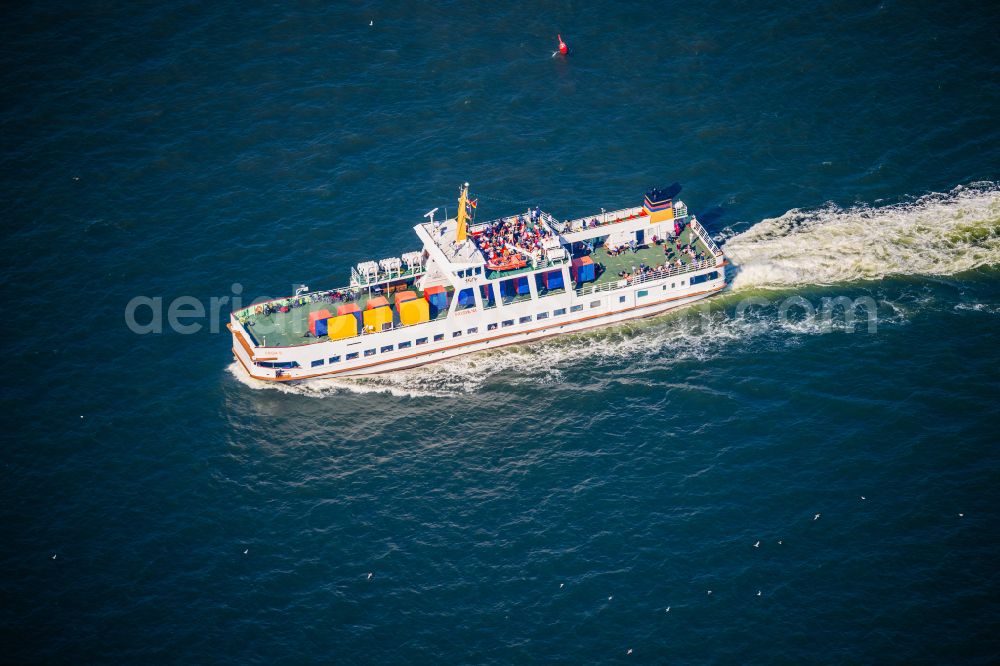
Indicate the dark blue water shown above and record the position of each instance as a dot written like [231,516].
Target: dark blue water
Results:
[545,502]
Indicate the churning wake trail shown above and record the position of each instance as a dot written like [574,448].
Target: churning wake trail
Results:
[691,334]
[938,234]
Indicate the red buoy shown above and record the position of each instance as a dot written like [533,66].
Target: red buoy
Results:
[563,49]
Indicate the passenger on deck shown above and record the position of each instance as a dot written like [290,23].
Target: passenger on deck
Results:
[501,236]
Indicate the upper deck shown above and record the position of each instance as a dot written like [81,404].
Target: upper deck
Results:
[439,239]
[284,322]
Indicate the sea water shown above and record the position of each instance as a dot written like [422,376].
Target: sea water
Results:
[802,469]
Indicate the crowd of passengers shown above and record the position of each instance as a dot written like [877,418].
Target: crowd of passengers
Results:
[672,249]
[500,237]
[644,272]
[687,248]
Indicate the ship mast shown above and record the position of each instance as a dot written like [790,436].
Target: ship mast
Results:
[461,222]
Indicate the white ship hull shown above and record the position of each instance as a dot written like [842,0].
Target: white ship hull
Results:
[659,298]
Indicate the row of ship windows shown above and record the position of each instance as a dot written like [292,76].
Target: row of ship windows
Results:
[492,327]
[455,334]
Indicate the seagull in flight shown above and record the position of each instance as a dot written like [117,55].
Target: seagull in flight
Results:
[629,651]
[758,593]
[611,597]
[710,591]
[370,575]
[863,497]
[668,610]
[53,557]
[757,545]
[816,517]
[246,551]
[561,585]
[780,542]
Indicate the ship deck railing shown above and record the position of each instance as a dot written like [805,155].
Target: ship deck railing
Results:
[705,238]
[532,266]
[648,277]
[359,279]
[604,219]
[304,298]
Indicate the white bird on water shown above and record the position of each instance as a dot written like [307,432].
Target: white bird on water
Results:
[53,557]
[611,597]
[246,551]
[371,23]
[629,651]
[370,575]
[816,517]
[758,593]
[561,585]
[668,610]
[710,591]
[780,542]
[757,545]
[863,497]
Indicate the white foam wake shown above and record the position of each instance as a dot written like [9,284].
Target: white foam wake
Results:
[694,333]
[938,234]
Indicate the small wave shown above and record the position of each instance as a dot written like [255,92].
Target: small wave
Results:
[938,234]
[322,388]
[978,307]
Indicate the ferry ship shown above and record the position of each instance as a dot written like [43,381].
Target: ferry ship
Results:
[479,285]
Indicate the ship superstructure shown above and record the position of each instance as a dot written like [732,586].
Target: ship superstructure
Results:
[478,285]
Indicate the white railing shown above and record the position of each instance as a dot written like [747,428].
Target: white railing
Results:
[705,238]
[549,220]
[299,301]
[482,226]
[648,277]
[603,219]
[549,263]
[305,299]
[359,279]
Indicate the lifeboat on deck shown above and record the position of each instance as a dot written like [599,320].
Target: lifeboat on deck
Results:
[511,263]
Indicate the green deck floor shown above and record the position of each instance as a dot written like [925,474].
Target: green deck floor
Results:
[651,256]
[288,329]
